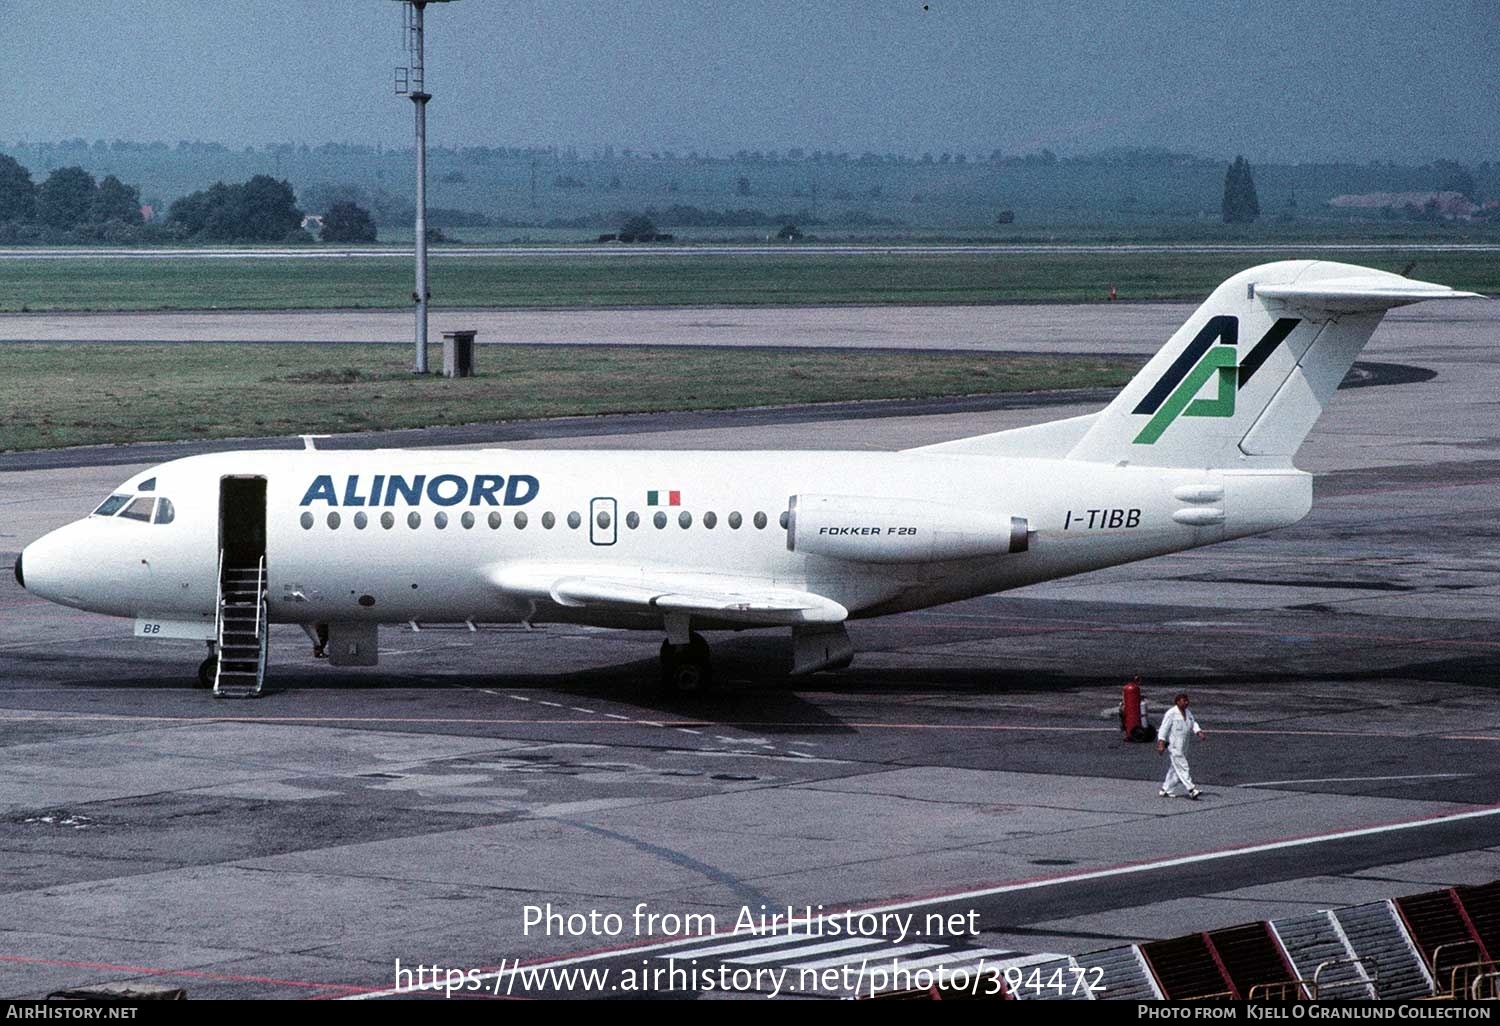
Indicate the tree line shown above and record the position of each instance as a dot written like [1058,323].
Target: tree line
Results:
[68,202]
[70,205]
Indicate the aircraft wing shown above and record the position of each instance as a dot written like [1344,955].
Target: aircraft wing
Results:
[716,596]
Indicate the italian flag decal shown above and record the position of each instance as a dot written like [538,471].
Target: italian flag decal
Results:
[664,498]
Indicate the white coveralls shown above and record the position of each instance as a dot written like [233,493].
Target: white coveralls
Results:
[1176,730]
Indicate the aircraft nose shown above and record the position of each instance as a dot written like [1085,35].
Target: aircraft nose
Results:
[20,574]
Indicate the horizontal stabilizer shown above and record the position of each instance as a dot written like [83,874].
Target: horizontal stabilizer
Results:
[1370,291]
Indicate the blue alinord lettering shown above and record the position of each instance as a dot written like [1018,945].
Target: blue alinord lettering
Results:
[442,490]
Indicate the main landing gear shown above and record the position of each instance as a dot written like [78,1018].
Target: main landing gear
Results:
[686,670]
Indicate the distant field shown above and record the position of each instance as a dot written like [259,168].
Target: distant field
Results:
[67,394]
[631,280]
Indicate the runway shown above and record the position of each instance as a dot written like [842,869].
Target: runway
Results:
[1345,670]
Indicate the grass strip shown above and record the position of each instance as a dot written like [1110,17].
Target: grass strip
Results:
[58,394]
[538,281]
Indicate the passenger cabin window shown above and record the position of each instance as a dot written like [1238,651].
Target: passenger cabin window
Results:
[140,509]
[165,512]
[110,506]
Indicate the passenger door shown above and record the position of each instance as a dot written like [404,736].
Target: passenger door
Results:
[602,517]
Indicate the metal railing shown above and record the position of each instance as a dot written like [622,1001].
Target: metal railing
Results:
[260,592]
[1286,990]
[1462,978]
[1367,967]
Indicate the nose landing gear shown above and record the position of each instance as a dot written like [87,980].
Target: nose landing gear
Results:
[208,670]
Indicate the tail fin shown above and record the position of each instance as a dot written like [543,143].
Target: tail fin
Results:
[1249,373]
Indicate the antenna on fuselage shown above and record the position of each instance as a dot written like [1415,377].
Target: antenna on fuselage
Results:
[309,442]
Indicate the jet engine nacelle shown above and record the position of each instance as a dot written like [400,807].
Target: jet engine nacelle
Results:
[862,529]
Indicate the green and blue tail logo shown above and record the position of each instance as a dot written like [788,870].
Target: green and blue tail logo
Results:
[1213,353]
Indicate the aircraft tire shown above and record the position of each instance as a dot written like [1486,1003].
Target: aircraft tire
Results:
[686,670]
[207,670]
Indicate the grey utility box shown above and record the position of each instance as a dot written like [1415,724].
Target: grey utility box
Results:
[458,354]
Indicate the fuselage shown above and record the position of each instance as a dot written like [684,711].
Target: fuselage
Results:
[391,536]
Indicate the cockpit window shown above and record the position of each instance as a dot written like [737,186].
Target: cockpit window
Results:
[148,485]
[110,506]
[165,514]
[140,509]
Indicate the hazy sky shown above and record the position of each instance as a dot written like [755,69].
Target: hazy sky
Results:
[1312,80]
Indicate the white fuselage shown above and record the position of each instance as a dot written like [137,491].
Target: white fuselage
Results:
[329,556]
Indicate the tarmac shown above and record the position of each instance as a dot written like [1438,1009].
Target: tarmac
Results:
[428,810]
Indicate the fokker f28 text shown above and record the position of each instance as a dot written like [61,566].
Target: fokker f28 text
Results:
[1196,449]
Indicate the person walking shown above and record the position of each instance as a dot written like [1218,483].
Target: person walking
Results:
[1177,727]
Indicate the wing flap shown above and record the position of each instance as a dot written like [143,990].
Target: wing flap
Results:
[716,596]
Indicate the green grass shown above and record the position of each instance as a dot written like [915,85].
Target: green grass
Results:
[631,280]
[68,394]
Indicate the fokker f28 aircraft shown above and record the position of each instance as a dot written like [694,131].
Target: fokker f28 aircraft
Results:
[1197,449]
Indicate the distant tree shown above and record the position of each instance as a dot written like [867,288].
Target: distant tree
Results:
[637,228]
[1240,203]
[261,210]
[269,212]
[17,192]
[789,233]
[66,198]
[116,201]
[348,222]
[1006,217]
[1454,177]
[742,187]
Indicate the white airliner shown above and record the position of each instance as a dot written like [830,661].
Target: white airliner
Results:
[1196,449]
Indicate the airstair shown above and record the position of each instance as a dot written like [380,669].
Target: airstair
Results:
[1375,934]
[1318,951]
[1124,974]
[1189,969]
[1482,906]
[1441,929]
[243,630]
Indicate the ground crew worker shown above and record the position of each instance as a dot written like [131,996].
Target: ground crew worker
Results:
[1177,726]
